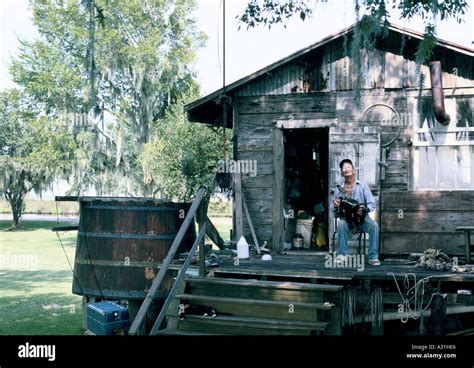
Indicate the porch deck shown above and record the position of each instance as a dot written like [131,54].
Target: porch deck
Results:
[317,267]
[253,289]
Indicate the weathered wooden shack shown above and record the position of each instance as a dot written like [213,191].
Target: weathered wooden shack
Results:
[297,118]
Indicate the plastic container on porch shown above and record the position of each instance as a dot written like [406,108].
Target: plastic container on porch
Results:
[242,248]
[304,227]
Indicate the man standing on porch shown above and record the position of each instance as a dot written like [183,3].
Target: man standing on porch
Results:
[360,192]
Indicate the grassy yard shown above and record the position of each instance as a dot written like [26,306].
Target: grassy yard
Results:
[36,281]
[35,288]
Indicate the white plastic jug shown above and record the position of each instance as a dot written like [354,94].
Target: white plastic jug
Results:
[242,248]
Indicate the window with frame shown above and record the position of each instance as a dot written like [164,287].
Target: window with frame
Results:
[444,155]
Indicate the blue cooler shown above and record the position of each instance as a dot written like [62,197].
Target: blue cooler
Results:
[107,318]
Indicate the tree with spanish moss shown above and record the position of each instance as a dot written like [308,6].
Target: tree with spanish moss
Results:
[109,69]
[35,150]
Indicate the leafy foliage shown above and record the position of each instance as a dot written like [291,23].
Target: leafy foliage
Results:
[34,151]
[269,12]
[427,45]
[183,155]
[446,9]
[109,68]
[374,14]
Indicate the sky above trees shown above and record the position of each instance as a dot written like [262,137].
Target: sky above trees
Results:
[246,50]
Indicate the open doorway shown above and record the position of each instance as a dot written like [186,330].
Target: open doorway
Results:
[306,180]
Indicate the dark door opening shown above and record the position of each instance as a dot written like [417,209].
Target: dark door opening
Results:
[306,181]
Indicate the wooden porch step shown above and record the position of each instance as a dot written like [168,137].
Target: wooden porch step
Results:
[174,332]
[292,276]
[265,284]
[244,307]
[231,325]
[265,290]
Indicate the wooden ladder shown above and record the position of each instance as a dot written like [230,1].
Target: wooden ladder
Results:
[195,207]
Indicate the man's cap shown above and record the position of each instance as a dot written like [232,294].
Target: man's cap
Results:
[344,161]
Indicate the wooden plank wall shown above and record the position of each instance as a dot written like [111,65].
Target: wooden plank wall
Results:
[365,114]
[285,80]
[429,221]
[253,127]
[288,93]
[391,65]
[254,124]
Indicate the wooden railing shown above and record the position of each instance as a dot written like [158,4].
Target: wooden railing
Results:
[177,282]
[206,227]
[167,261]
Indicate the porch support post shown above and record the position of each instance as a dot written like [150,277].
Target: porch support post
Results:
[438,314]
[239,224]
[278,189]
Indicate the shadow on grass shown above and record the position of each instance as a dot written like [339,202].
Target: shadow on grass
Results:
[41,314]
[26,280]
[32,225]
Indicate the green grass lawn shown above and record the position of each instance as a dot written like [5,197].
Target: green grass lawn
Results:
[36,280]
[223,226]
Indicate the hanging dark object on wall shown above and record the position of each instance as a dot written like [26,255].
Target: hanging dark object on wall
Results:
[437,93]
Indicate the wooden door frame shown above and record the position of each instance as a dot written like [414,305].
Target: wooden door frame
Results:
[336,132]
[279,188]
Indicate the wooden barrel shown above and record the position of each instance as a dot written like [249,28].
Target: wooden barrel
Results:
[121,242]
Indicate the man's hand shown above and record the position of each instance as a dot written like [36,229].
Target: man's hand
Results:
[337,203]
[361,211]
